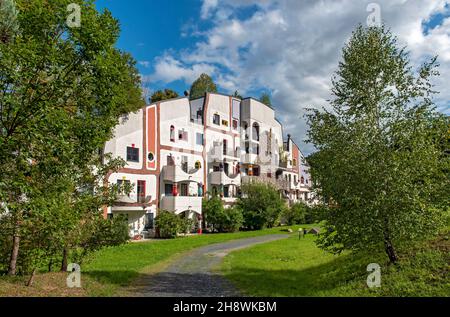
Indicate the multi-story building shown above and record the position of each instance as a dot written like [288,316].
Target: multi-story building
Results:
[180,150]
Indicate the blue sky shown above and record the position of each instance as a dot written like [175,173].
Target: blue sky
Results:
[287,48]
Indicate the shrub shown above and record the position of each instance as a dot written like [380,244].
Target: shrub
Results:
[261,206]
[220,218]
[168,224]
[295,214]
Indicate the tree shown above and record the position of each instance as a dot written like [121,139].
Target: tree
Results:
[163,95]
[9,25]
[201,86]
[237,95]
[220,218]
[265,99]
[380,163]
[62,92]
[261,205]
[296,214]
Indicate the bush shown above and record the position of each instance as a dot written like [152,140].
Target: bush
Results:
[220,218]
[296,214]
[168,224]
[261,206]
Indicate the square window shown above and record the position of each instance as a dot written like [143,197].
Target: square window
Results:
[225,123]
[132,154]
[216,119]
[235,124]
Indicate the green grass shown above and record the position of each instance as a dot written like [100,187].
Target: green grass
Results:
[117,267]
[296,267]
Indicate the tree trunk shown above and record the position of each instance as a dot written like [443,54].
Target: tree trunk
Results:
[50,265]
[14,252]
[64,261]
[31,280]
[389,248]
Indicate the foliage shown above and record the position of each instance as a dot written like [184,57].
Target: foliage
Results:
[295,214]
[265,99]
[165,94]
[299,268]
[62,92]
[202,85]
[169,225]
[9,26]
[237,95]
[380,163]
[220,218]
[261,205]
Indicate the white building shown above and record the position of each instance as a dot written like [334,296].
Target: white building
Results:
[179,150]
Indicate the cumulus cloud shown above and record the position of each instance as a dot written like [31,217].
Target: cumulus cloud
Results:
[293,47]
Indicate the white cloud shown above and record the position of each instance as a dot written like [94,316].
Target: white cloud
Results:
[145,64]
[293,47]
[168,69]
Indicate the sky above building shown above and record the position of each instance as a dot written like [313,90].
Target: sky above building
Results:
[287,48]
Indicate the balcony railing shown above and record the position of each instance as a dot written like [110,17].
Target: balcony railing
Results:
[179,204]
[220,178]
[175,173]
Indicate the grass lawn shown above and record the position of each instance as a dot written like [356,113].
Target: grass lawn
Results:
[112,268]
[296,267]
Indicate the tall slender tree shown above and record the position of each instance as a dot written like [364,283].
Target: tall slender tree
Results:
[380,162]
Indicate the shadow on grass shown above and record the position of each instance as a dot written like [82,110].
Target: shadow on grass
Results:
[322,280]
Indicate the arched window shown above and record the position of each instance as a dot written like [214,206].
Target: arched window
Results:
[255,131]
[172,133]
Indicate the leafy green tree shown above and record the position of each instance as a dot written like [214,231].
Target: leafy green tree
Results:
[380,163]
[9,26]
[163,95]
[201,86]
[220,218]
[265,99]
[295,214]
[261,205]
[62,92]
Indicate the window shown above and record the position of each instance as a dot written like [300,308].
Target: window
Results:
[172,133]
[141,191]
[199,138]
[255,131]
[168,189]
[184,163]
[198,165]
[132,154]
[216,119]
[151,157]
[184,189]
[302,180]
[182,135]
[225,144]
[226,191]
[225,123]
[121,185]
[235,124]
[149,221]
[255,171]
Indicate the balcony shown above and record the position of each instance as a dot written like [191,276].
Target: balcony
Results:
[179,204]
[220,178]
[175,174]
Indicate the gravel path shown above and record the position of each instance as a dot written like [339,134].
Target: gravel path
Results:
[193,275]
